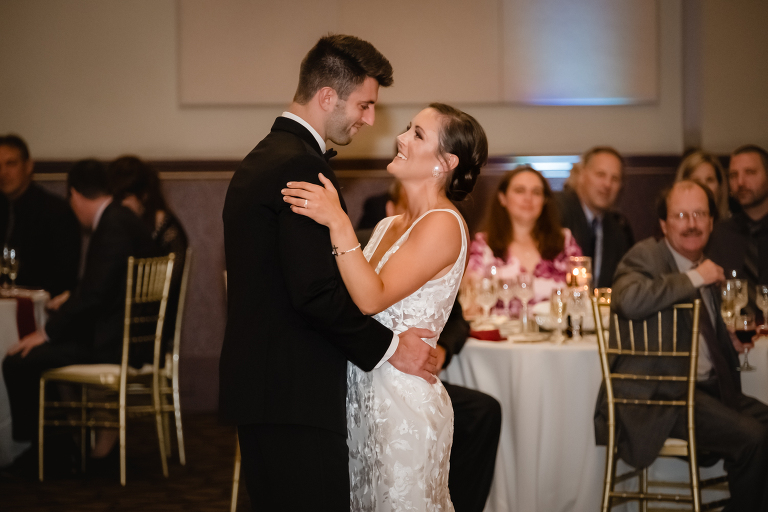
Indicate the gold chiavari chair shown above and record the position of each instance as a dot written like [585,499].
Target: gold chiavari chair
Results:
[148,283]
[169,372]
[679,448]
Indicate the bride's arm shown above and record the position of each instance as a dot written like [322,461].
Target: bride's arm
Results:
[432,248]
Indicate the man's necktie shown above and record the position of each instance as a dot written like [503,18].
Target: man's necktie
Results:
[330,153]
[728,390]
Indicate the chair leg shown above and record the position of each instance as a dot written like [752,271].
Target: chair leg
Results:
[236,476]
[40,426]
[122,444]
[83,447]
[610,472]
[177,417]
[167,433]
[159,424]
[643,489]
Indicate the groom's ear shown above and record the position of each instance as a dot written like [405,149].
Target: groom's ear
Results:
[327,98]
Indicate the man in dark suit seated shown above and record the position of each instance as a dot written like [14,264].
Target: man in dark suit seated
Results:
[88,327]
[587,210]
[37,224]
[740,243]
[653,276]
[477,426]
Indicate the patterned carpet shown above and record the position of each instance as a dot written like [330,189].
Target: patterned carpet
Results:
[204,484]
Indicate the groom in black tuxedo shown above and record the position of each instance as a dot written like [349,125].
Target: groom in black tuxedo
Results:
[291,324]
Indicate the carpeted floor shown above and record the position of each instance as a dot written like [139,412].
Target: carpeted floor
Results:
[204,484]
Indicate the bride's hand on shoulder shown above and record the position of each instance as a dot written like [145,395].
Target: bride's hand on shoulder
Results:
[319,203]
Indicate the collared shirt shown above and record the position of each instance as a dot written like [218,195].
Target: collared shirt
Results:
[686,266]
[100,212]
[290,115]
[318,138]
[597,259]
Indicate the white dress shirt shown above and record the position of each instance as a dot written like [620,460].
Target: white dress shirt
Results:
[395,338]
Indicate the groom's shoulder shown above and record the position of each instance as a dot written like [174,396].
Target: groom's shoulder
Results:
[282,150]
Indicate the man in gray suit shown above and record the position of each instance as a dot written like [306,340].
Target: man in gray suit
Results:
[653,276]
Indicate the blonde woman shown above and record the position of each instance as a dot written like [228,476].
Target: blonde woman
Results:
[706,169]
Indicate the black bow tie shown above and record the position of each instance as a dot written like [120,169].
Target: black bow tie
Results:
[330,153]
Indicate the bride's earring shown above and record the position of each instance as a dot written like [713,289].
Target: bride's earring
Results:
[436,172]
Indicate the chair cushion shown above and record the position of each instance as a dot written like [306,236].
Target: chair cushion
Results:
[101,374]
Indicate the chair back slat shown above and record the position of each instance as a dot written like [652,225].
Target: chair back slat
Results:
[632,335]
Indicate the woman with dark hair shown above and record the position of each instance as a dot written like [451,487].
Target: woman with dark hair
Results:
[137,186]
[523,234]
[401,426]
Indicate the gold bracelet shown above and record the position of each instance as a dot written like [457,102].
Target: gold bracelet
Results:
[336,252]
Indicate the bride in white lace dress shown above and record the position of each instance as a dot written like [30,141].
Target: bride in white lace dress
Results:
[400,427]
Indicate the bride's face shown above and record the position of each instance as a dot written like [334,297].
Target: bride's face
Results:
[417,148]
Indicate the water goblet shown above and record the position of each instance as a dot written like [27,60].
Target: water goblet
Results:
[577,308]
[507,292]
[487,294]
[745,330]
[761,301]
[13,267]
[6,264]
[728,304]
[558,303]
[741,297]
[524,291]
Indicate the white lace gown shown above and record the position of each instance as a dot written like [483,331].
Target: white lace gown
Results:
[399,427]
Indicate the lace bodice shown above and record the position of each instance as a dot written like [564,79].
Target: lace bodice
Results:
[429,306]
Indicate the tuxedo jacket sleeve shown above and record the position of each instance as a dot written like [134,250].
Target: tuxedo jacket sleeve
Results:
[313,280]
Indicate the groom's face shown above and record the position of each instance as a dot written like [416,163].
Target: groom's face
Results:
[350,115]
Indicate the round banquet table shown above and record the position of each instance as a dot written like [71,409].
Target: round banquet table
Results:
[9,336]
[547,459]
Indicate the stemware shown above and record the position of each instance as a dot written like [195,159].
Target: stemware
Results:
[13,267]
[761,301]
[558,301]
[507,292]
[524,292]
[728,303]
[466,297]
[5,268]
[745,329]
[577,308]
[487,293]
[741,297]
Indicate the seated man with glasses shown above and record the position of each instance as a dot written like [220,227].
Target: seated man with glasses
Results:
[653,276]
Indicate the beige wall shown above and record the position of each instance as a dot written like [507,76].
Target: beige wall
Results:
[734,74]
[99,78]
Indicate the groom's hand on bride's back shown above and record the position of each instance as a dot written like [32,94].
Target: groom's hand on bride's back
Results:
[414,356]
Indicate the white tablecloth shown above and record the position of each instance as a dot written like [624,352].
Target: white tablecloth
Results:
[9,336]
[547,459]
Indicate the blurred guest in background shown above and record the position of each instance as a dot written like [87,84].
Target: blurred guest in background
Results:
[587,209]
[87,328]
[375,208]
[523,234]
[37,224]
[136,185]
[705,168]
[740,244]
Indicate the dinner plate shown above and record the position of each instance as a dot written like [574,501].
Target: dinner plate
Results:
[529,337]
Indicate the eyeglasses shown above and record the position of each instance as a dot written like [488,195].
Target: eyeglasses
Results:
[685,216]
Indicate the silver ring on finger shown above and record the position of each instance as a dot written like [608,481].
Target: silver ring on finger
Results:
[306,202]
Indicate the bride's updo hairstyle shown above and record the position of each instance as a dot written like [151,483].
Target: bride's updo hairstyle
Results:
[461,135]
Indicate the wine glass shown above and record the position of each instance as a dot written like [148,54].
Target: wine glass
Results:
[13,267]
[728,304]
[487,294]
[745,329]
[577,308]
[558,302]
[507,292]
[5,268]
[741,297]
[761,301]
[524,291]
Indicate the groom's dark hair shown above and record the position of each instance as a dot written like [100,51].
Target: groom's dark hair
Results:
[342,63]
